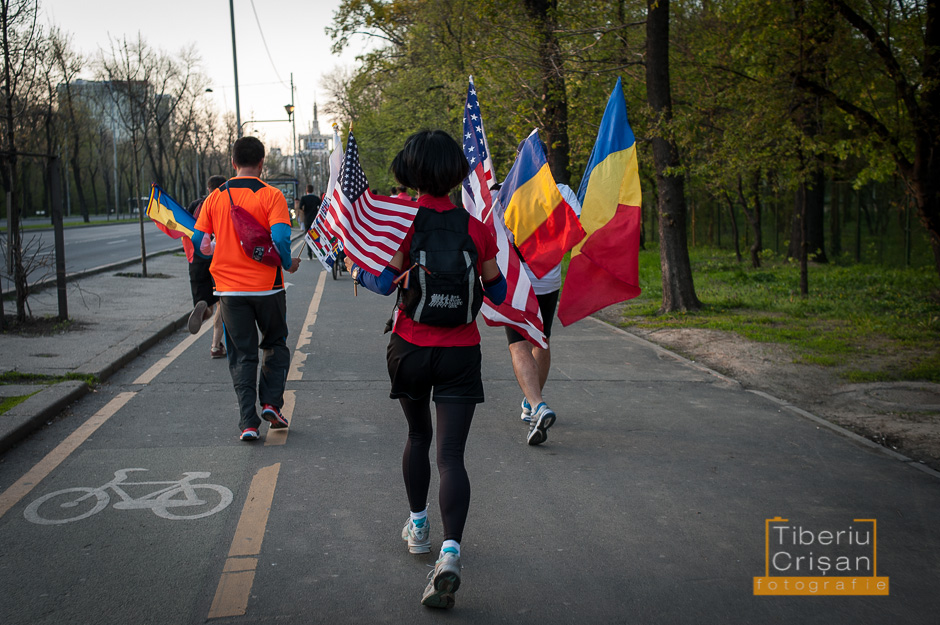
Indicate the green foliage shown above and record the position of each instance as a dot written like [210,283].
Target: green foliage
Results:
[19,377]
[418,78]
[853,312]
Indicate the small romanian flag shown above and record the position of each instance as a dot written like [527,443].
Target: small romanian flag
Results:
[169,216]
[542,223]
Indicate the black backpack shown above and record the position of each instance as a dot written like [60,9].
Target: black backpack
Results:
[444,287]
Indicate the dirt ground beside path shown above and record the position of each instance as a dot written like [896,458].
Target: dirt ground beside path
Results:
[903,416]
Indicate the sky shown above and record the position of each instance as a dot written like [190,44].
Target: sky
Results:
[292,29]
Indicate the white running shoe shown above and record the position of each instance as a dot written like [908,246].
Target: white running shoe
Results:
[418,538]
[445,580]
[542,419]
[526,410]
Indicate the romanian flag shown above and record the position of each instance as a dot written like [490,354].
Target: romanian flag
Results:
[604,268]
[542,223]
[169,216]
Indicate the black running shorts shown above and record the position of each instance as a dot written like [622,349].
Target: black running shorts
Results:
[547,304]
[200,281]
[452,372]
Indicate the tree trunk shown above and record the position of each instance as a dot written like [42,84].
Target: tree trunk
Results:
[554,92]
[79,187]
[813,194]
[835,223]
[753,217]
[678,286]
[926,176]
[803,250]
[140,212]
[734,228]
[9,170]
[814,21]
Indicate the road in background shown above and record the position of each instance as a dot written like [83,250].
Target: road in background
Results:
[92,246]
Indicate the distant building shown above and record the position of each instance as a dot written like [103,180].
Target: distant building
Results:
[109,103]
[314,140]
[314,154]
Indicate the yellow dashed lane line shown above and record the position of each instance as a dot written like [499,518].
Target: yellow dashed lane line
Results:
[238,574]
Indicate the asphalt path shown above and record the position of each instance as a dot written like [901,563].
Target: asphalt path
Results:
[91,247]
[646,504]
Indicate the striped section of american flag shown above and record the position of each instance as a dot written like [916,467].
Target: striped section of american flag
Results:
[371,227]
[520,310]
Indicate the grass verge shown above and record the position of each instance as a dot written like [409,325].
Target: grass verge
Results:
[872,323]
[18,377]
[8,403]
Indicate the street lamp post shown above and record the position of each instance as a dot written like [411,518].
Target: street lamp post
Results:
[293,123]
[290,118]
[287,107]
[238,114]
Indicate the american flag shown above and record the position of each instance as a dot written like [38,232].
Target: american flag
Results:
[371,227]
[520,310]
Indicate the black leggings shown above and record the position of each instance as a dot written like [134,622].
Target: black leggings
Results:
[453,426]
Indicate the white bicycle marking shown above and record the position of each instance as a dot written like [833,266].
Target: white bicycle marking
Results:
[169,502]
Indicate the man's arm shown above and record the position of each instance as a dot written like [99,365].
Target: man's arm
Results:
[280,235]
[202,244]
[280,230]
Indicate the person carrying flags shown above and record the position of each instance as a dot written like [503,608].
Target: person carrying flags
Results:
[530,362]
[434,352]
[541,220]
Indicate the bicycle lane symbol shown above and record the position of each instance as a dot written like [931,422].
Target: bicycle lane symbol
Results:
[174,500]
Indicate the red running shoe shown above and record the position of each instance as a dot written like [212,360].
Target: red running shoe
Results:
[273,415]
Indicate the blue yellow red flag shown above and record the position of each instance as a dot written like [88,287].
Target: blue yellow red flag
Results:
[604,267]
[168,215]
[543,225]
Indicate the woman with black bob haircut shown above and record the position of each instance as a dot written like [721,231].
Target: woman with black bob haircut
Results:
[434,351]
[432,162]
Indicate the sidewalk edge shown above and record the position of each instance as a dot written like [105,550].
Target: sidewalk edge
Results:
[113,359]
[33,413]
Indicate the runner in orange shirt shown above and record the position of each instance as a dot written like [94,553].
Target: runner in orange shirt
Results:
[252,294]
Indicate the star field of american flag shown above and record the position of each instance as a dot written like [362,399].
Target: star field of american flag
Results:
[370,226]
[354,181]
[520,310]
[474,142]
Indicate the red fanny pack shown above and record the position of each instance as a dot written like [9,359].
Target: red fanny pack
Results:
[255,239]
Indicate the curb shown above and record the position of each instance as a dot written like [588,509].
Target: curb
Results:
[782,403]
[33,413]
[114,358]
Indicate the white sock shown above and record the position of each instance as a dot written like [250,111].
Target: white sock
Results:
[419,518]
[453,545]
